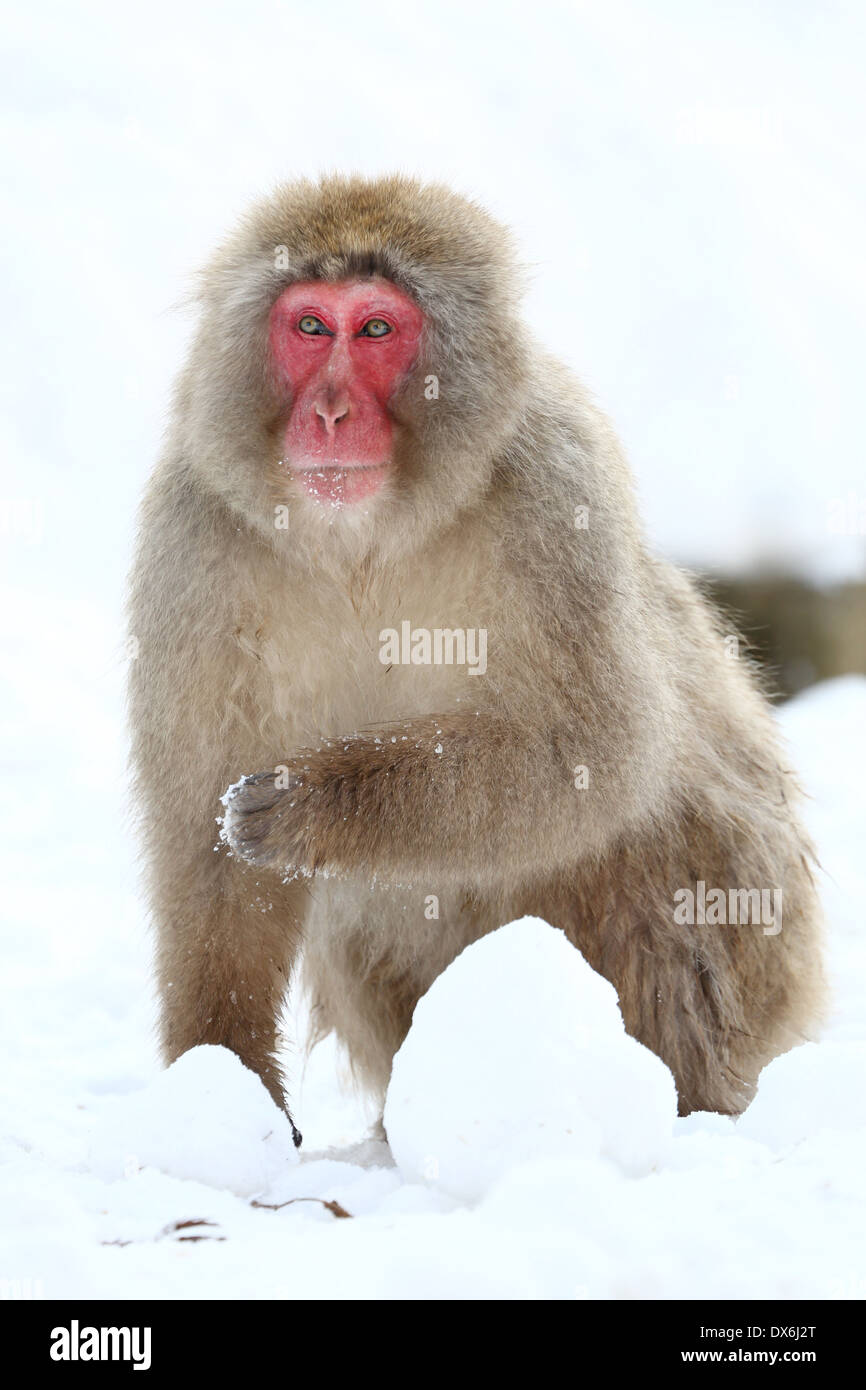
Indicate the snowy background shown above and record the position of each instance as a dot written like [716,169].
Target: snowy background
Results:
[686,183]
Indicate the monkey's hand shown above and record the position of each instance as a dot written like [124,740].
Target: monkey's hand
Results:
[313,812]
[268,818]
[347,804]
[456,794]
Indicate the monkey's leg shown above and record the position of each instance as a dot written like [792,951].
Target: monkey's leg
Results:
[227,939]
[369,956]
[715,1002]
[367,1001]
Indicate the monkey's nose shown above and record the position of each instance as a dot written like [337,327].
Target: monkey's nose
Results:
[332,412]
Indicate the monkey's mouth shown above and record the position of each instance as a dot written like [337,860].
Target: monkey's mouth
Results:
[337,485]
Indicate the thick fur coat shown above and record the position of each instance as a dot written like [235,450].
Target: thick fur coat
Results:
[259,650]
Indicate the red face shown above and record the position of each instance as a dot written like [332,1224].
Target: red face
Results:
[341,351]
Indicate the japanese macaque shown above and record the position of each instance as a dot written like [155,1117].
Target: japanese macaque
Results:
[373,462]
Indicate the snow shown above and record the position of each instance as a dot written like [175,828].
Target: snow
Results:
[686,186]
[205,1118]
[518,1051]
[814,1088]
[105,1158]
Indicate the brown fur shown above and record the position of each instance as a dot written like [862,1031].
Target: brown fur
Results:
[259,648]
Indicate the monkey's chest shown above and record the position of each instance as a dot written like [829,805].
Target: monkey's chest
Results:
[314,681]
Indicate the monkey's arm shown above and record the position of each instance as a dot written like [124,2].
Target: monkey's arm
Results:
[463,795]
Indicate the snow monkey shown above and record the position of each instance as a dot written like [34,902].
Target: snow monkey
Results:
[372,465]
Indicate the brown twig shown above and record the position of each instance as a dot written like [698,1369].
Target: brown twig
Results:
[333,1207]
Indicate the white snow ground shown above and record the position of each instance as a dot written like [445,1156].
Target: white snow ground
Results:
[569,1178]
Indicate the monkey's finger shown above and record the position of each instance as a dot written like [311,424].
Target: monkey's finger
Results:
[259,792]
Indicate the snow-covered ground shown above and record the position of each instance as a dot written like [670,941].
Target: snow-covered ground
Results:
[535,1151]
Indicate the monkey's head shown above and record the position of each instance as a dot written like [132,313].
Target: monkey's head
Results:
[359,363]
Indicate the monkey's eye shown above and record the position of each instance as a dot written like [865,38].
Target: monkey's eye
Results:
[310,324]
[375,328]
